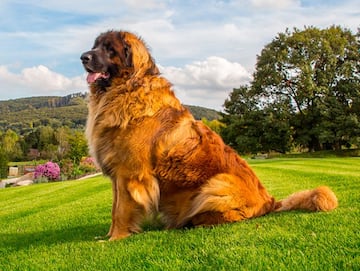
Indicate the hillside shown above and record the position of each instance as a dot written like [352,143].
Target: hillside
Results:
[21,115]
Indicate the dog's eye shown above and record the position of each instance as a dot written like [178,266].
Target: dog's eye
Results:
[111,51]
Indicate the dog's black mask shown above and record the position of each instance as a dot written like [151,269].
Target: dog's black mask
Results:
[109,57]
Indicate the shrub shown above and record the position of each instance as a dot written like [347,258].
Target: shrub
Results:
[49,170]
[67,167]
[87,165]
[77,172]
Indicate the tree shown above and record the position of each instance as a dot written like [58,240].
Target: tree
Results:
[305,92]
[78,147]
[10,145]
[214,124]
[62,137]
[47,143]
[3,164]
[242,131]
[317,73]
[251,127]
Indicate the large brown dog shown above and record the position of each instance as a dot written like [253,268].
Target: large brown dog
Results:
[159,158]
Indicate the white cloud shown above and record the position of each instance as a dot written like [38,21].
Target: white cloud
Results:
[207,83]
[275,3]
[141,4]
[38,80]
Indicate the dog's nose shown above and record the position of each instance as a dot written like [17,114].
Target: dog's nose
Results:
[86,57]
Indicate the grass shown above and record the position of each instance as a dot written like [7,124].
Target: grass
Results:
[319,154]
[52,227]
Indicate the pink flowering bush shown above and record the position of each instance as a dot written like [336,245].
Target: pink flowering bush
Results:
[88,165]
[49,170]
[90,161]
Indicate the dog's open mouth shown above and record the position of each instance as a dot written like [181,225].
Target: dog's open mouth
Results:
[93,76]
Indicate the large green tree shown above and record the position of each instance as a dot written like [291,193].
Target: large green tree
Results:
[317,72]
[311,78]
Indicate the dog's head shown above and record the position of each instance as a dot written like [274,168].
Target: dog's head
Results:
[117,54]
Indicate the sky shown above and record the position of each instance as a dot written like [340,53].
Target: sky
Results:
[204,48]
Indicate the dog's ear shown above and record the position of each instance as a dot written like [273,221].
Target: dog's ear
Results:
[124,50]
[128,55]
[138,55]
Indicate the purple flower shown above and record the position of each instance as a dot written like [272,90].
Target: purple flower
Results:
[49,170]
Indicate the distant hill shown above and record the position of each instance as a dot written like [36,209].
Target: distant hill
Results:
[22,115]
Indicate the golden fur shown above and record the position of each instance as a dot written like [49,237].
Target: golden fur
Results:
[159,158]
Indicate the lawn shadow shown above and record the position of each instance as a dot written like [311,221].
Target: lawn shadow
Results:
[19,241]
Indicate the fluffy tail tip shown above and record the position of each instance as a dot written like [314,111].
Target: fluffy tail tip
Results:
[318,199]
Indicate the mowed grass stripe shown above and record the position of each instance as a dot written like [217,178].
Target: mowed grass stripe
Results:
[279,175]
[16,195]
[347,166]
[46,197]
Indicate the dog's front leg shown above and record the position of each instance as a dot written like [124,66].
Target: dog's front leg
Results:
[114,203]
[127,214]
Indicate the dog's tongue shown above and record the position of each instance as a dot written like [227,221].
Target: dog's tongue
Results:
[93,76]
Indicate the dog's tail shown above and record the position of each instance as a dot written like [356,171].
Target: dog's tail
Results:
[318,199]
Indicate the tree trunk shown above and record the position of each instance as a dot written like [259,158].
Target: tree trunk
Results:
[314,144]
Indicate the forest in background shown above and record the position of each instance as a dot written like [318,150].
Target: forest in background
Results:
[52,128]
[24,114]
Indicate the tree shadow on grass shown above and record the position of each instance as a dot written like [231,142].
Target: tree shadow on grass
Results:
[19,241]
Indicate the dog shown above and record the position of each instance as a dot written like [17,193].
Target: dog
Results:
[158,157]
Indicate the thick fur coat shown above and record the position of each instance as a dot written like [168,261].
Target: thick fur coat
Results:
[159,158]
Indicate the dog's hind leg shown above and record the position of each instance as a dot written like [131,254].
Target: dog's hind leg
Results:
[213,218]
[227,198]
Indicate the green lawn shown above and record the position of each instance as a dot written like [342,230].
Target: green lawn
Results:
[52,227]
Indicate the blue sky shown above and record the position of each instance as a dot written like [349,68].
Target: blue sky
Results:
[205,48]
